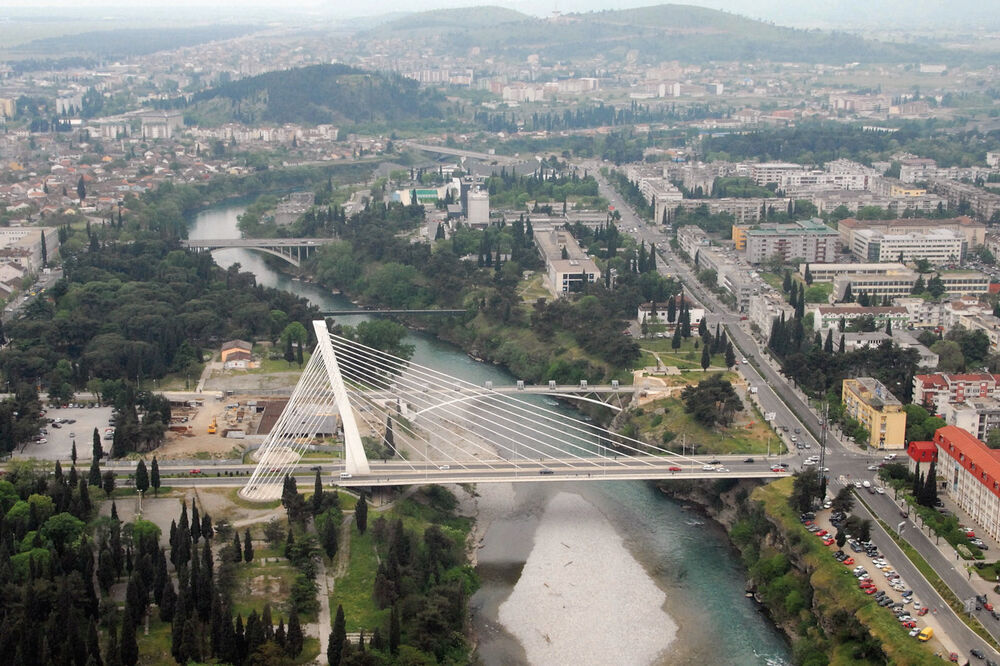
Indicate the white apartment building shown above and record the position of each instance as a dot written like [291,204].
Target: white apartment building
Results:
[692,239]
[830,316]
[938,246]
[828,272]
[766,306]
[977,416]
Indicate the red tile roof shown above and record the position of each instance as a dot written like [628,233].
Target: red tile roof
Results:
[977,458]
[922,451]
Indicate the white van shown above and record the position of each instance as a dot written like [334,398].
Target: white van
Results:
[345,475]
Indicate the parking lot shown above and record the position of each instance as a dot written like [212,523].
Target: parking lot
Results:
[59,440]
[875,572]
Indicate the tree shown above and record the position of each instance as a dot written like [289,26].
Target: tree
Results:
[237,548]
[289,355]
[675,342]
[141,477]
[81,189]
[844,501]
[711,401]
[154,477]
[786,283]
[98,449]
[394,630]
[247,546]
[108,483]
[730,355]
[72,452]
[338,637]
[361,514]
[294,637]
[45,252]
[841,538]
[706,358]
[808,276]
[806,487]
[128,647]
[317,498]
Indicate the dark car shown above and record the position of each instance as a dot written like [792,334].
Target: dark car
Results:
[977,653]
[714,462]
[316,468]
[748,460]
[545,471]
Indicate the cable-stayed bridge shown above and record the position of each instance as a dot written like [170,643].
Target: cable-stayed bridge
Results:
[405,424]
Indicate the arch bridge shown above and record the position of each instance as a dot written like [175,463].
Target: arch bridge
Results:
[292,250]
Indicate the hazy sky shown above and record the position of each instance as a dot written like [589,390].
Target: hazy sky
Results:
[887,14]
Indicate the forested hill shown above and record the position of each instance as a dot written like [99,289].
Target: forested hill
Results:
[661,32]
[321,94]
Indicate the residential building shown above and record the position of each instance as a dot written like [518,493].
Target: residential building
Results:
[830,316]
[922,313]
[773,172]
[744,211]
[970,471]
[692,239]
[938,246]
[978,416]
[902,338]
[808,240]
[568,268]
[935,390]
[983,204]
[765,307]
[869,402]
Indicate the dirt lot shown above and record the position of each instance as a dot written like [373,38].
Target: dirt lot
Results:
[196,442]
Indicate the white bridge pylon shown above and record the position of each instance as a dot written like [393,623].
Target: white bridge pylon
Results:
[410,417]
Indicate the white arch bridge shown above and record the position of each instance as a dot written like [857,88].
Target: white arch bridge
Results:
[405,423]
[292,250]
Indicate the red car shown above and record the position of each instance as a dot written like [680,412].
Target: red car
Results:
[829,541]
[822,533]
[674,468]
[848,562]
[909,624]
[196,471]
[870,590]
[988,606]
[922,611]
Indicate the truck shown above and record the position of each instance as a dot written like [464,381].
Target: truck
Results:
[925,634]
[212,427]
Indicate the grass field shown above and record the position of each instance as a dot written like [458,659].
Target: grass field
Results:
[748,435]
[687,357]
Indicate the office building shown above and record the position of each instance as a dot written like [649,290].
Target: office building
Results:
[568,268]
[974,232]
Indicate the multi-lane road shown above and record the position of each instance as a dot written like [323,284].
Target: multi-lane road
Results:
[792,412]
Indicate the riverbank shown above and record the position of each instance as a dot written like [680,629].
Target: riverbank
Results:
[565,607]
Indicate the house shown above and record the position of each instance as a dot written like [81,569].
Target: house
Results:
[236,354]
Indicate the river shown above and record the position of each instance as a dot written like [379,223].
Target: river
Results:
[695,570]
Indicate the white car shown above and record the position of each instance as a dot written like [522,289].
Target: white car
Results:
[915,632]
[880,490]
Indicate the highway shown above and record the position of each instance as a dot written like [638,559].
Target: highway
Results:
[846,463]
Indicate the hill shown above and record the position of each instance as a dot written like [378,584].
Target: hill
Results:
[132,41]
[319,94]
[661,32]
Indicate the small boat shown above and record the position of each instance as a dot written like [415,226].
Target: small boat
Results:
[694,523]
[549,401]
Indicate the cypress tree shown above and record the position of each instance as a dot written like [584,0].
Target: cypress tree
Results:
[248,546]
[394,630]
[317,498]
[206,527]
[154,477]
[840,347]
[295,639]
[338,636]
[195,523]
[828,343]
[168,601]
[730,355]
[85,503]
[128,647]
[98,450]
[706,358]
[94,478]
[141,478]
[279,633]
[93,644]
[237,549]
[361,514]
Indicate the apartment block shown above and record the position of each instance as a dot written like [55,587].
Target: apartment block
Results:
[983,204]
[831,316]
[765,307]
[936,390]
[978,416]
[869,402]
[744,211]
[809,240]
[692,239]
[828,272]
